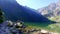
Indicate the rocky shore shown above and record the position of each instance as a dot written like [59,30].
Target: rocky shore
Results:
[18,27]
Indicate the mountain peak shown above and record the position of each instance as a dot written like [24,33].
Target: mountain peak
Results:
[58,3]
[52,10]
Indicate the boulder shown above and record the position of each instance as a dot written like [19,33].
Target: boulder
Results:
[10,23]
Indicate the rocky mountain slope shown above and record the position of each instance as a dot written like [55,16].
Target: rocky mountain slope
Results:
[51,11]
[13,11]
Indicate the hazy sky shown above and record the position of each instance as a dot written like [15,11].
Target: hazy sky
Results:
[35,4]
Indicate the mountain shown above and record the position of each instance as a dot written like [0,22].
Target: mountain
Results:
[51,11]
[13,11]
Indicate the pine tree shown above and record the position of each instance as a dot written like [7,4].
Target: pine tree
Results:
[1,16]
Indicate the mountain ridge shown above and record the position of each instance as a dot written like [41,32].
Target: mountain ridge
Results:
[14,11]
[52,10]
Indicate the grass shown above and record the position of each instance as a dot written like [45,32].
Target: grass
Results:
[53,27]
[49,27]
[55,18]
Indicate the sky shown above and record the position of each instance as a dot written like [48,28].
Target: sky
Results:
[35,4]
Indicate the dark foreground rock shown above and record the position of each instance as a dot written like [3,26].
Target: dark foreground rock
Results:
[9,27]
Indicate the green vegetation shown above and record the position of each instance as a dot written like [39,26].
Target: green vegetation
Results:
[56,18]
[54,28]
[1,16]
[48,27]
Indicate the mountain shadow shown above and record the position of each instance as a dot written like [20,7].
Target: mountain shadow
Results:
[13,11]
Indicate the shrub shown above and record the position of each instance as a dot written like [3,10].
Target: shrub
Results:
[1,16]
